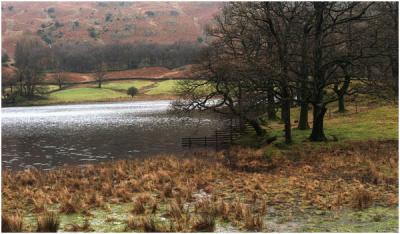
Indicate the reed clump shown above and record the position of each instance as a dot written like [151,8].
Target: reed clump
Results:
[145,224]
[48,222]
[11,223]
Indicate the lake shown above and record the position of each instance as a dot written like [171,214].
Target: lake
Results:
[46,137]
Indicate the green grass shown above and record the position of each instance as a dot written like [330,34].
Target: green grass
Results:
[164,87]
[84,94]
[125,85]
[50,88]
[379,123]
[110,91]
[375,124]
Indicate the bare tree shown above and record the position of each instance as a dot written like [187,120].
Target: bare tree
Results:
[229,83]
[100,74]
[60,77]
[30,59]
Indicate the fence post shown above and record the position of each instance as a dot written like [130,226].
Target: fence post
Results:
[205,141]
[216,141]
[190,142]
[231,135]
[356,108]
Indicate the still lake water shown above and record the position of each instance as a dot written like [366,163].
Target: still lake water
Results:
[50,136]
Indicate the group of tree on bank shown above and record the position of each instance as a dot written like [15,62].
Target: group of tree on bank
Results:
[265,56]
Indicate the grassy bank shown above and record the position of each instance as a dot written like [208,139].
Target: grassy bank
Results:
[110,92]
[346,185]
[372,121]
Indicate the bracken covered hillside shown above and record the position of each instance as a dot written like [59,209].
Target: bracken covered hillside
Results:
[105,22]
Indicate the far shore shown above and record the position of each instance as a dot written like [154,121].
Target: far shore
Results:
[139,98]
[128,99]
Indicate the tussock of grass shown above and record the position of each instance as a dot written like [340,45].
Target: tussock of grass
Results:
[362,199]
[11,223]
[48,222]
[204,223]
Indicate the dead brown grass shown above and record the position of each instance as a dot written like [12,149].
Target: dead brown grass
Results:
[323,178]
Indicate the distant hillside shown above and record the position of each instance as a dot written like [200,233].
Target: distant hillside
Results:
[106,22]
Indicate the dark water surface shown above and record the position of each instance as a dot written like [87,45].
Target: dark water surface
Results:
[50,136]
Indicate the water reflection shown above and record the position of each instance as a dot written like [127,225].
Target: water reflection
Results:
[50,136]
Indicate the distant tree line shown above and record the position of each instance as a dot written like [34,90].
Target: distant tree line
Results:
[86,57]
[269,56]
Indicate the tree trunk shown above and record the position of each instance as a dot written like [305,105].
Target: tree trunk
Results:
[395,74]
[257,127]
[271,111]
[99,85]
[303,121]
[286,120]
[317,133]
[341,105]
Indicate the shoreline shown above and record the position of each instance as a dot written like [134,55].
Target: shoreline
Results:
[113,100]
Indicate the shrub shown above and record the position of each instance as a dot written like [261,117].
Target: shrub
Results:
[174,13]
[58,24]
[150,13]
[49,222]
[108,17]
[132,91]
[11,223]
[4,58]
[93,32]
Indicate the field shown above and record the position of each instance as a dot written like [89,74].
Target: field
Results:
[164,87]
[110,91]
[347,185]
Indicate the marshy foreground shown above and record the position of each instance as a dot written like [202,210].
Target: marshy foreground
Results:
[352,186]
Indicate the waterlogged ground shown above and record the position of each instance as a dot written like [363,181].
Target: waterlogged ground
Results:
[374,219]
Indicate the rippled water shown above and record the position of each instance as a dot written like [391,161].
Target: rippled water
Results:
[50,136]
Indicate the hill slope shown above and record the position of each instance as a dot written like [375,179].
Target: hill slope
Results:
[105,22]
